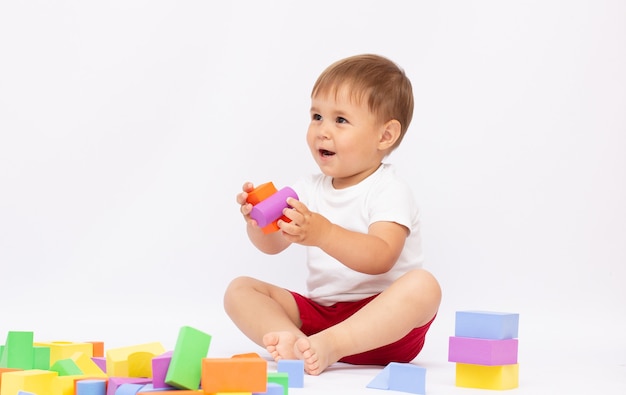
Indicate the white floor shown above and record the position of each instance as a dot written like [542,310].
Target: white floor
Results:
[551,361]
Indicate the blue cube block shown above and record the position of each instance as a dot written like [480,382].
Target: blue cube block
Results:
[486,325]
[404,377]
[295,369]
[272,389]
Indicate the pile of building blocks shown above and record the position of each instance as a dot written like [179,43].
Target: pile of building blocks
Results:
[83,368]
[485,348]
[403,377]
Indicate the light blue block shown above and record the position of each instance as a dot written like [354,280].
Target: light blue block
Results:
[272,389]
[404,377]
[91,387]
[295,369]
[486,325]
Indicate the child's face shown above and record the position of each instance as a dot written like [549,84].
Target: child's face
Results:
[344,138]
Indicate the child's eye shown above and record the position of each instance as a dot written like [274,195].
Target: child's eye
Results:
[316,117]
[341,120]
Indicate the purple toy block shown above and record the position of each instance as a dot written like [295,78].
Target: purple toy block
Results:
[115,382]
[101,362]
[128,389]
[160,364]
[271,208]
[487,352]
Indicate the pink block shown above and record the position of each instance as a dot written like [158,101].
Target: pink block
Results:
[115,382]
[270,209]
[101,362]
[160,365]
[482,351]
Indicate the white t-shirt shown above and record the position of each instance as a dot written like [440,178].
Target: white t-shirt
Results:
[383,196]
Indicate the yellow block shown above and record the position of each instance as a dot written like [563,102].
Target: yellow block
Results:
[502,377]
[88,366]
[65,350]
[133,361]
[65,385]
[36,381]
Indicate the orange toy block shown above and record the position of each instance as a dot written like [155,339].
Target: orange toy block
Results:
[260,193]
[65,350]
[98,349]
[133,361]
[248,355]
[234,375]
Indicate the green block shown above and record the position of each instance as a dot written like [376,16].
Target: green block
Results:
[281,378]
[66,367]
[18,351]
[3,362]
[185,370]
[41,358]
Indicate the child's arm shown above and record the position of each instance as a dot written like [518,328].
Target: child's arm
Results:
[271,243]
[374,252]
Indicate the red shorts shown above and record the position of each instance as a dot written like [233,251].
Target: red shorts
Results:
[316,318]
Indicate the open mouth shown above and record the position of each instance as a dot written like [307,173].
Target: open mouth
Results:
[326,153]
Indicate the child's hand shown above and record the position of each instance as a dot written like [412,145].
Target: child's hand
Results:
[306,227]
[246,207]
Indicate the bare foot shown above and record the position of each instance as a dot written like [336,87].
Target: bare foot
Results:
[280,345]
[315,354]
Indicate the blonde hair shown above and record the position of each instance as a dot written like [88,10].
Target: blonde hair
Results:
[373,78]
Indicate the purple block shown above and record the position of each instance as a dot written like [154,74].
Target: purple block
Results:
[160,364]
[486,352]
[115,382]
[101,362]
[270,209]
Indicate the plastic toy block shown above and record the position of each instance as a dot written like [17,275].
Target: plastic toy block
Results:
[280,378]
[18,351]
[482,351]
[115,382]
[88,366]
[98,349]
[149,390]
[91,387]
[234,375]
[133,361]
[25,393]
[502,377]
[404,377]
[185,370]
[486,325]
[66,367]
[128,389]
[160,365]
[272,389]
[271,209]
[65,385]
[267,193]
[35,380]
[5,370]
[41,358]
[101,363]
[295,369]
[65,350]
[247,355]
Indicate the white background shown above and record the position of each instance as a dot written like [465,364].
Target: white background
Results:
[128,127]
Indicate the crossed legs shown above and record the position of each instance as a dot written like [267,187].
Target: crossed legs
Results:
[269,316]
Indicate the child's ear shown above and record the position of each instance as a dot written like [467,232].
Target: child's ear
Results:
[391,134]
